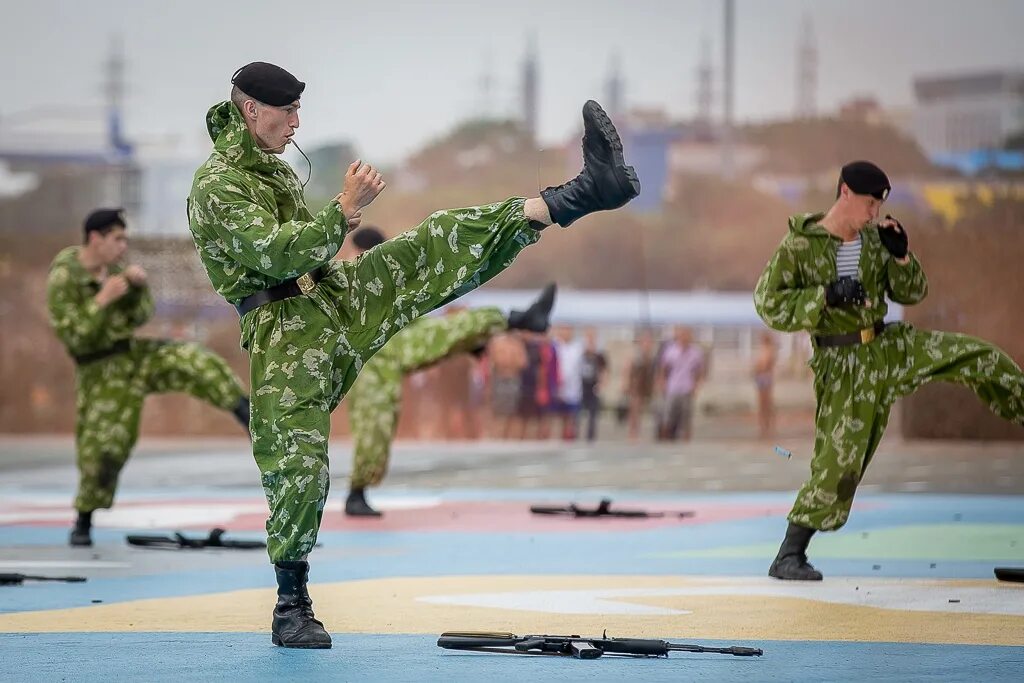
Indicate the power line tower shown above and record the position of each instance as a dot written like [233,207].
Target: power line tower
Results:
[486,88]
[807,72]
[614,91]
[114,91]
[705,87]
[728,52]
[530,86]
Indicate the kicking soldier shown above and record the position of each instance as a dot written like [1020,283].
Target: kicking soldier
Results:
[95,305]
[375,398]
[831,276]
[310,323]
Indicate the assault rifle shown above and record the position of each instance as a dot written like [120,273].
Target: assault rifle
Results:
[18,579]
[603,509]
[577,646]
[214,540]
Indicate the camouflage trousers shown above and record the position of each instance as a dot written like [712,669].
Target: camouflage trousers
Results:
[856,386]
[305,352]
[110,393]
[375,398]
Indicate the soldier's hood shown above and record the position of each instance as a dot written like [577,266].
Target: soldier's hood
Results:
[807,224]
[232,139]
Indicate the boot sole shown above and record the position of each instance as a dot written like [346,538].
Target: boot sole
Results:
[300,646]
[625,176]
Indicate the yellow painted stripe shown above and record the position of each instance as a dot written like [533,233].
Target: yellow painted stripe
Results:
[392,606]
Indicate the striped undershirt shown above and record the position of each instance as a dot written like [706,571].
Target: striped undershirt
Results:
[848,258]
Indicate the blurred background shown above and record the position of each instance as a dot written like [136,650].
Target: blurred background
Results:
[736,114]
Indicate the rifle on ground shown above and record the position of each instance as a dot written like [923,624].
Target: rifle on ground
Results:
[576,646]
[214,540]
[602,510]
[1010,574]
[18,579]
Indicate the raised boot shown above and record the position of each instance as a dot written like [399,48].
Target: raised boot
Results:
[356,505]
[81,533]
[294,624]
[605,182]
[791,563]
[537,317]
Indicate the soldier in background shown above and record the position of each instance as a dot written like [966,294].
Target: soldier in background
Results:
[95,305]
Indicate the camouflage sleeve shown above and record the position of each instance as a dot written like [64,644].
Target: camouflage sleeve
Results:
[780,298]
[76,318]
[251,234]
[907,283]
[138,305]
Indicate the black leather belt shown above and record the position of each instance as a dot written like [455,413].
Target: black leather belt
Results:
[859,337]
[120,346]
[304,284]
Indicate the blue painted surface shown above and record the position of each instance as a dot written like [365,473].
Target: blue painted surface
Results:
[248,656]
[382,554]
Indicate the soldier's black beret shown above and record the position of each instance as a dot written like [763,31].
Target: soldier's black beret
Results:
[863,177]
[268,83]
[103,218]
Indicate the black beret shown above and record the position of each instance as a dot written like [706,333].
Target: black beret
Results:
[863,177]
[268,83]
[103,218]
[367,238]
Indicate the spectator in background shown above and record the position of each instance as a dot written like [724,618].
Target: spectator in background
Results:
[593,366]
[569,354]
[507,354]
[640,379]
[763,371]
[681,371]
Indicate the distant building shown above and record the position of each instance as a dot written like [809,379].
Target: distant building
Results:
[67,163]
[961,113]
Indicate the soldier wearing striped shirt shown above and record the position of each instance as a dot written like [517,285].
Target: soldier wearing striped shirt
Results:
[831,277]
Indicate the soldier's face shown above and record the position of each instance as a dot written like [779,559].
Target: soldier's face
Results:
[111,247]
[274,127]
[864,208]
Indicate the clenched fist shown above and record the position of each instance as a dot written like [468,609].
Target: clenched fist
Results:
[845,292]
[135,274]
[362,185]
[113,288]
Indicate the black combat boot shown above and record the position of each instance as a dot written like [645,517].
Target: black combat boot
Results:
[605,182]
[791,562]
[536,318]
[294,625]
[81,533]
[356,505]
[241,413]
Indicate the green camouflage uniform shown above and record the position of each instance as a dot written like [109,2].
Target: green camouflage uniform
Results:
[110,391]
[252,230]
[856,386]
[375,398]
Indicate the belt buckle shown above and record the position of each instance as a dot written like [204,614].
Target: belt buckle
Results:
[306,283]
[867,335]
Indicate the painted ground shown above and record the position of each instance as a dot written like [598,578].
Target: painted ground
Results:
[909,591]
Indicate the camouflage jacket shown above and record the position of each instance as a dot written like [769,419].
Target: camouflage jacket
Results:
[81,325]
[248,217]
[790,295]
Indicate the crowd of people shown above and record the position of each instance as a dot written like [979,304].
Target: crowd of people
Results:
[564,383]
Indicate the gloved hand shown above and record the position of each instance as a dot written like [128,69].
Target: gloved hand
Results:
[894,238]
[844,292]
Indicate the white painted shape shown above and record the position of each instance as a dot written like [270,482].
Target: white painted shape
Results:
[895,594]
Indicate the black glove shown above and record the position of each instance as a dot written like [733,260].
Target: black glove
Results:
[846,291]
[894,239]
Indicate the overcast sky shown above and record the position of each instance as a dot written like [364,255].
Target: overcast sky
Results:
[391,74]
